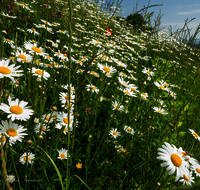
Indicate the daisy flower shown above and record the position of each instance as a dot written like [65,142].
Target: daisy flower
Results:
[115,133]
[161,85]
[65,98]
[13,131]
[65,131]
[122,82]
[17,110]
[159,110]
[187,178]
[117,106]
[23,56]
[62,154]
[194,134]
[144,96]
[129,130]
[10,178]
[146,71]
[173,160]
[40,73]
[106,68]
[47,118]
[64,120]
[133,88]
[92,87]
[27,157]
[172,94]
[9,71]
[129,93]
[33,48]
[41,129]
[196,169]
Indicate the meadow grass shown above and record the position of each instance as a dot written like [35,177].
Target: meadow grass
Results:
[88,103]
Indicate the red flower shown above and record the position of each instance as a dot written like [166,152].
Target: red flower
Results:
[108,32]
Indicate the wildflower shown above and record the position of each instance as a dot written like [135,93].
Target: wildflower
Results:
[162,85]
[187,178]
[13,131]
[117,107]
[147,72]
[144,96]
[196,169]
[9,71]
[40,73]
[106,69]
[129,130]
[41,128]
[27,157]
[17,110]
[92,87]
[33,48]
[173,159]
[63,154]
[129,93]
[196,136]
[159,110]
[115,133]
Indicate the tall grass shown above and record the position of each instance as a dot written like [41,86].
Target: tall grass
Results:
[87,103]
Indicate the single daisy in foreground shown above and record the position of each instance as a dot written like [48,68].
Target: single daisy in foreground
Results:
[196,169]
[27,157]
[17,110]
[116,106]
[13,131]
[92,87]
[62,154]
[115,133]
[173,160]
[9,71]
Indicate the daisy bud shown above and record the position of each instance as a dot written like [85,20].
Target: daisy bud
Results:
[55,108]
[4,32]
[36,120]
[40,137]
[58,41]
[30,141]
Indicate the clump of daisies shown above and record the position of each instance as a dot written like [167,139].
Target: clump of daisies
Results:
[179,161]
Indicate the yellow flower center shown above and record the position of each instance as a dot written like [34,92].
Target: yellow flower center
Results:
[144,94]
[39,72]
[133,89]
[116,107]
[4,70]
[47,118]
[114,133]
[41,129]
[7,40]
[161,87]
[123,74]
[66,121]
[67,97]
[12,58]
[126,92]
[54,116]
[38,50]
[62,155]
[185,177]
[106,69]
[69,104]
[128,129]
[33,29]
[148,72]
[11,132]
[49,65]
[22,56]
[16,109]
[159,111]
[176,160]
[198,170]
[25,159]
[93,88]
[92,72]
[195,135]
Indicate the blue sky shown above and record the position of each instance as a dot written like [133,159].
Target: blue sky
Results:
[175,12]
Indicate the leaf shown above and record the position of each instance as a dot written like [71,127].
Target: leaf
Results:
[180,123]
[182,134]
